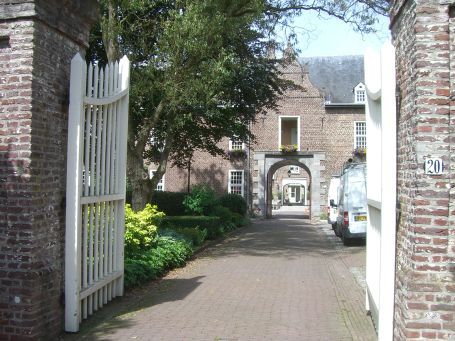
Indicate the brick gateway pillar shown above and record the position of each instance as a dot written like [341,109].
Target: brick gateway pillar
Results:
[265,163]
[38,38]
[424,37]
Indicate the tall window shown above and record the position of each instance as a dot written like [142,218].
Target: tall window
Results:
[235,184]
[236,145]
[359,93]
[360,135]
[160,184]
[289,131]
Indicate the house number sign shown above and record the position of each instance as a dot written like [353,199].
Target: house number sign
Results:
[433,166]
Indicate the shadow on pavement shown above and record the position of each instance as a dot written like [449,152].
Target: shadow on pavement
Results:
[294,238]
[115,315]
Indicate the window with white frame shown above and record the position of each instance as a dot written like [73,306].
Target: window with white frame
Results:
[235,185]
[236,145]
[359,93]
[160,184]
[294,169]
[360,135]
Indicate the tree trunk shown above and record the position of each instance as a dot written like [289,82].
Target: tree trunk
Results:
[109,31]
[141,186]
[189,175]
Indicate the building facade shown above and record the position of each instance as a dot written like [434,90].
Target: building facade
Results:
[325,115]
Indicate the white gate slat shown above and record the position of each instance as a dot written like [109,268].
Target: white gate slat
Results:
[98,119]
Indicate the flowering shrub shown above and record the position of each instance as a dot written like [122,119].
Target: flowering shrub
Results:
[288,148]
[359,152]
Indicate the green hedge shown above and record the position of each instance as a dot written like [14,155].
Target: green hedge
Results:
[171,203]
[194,235]
[234,202]
[211,224]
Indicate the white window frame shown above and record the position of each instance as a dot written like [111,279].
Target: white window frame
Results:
[360,135]
[231,142]
[360,90]
[279,129]
[160,183]
[242,186]
[294,169]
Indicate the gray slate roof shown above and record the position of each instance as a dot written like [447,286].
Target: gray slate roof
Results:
[335,77]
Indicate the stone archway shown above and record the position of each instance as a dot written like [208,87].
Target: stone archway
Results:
[266,163]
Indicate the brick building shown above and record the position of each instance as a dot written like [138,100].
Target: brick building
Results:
[424,37]
[37,41]
[325,117]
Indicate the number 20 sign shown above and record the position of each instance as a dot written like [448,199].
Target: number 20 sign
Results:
[433,166]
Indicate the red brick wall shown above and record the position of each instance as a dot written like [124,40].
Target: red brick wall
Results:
[34,72]
[425,290]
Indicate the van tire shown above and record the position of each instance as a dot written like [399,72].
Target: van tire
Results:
[346,241]
[337,231]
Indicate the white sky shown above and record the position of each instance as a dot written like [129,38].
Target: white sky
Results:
[332,37]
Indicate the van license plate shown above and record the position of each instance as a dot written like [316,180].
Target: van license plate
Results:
[360,218]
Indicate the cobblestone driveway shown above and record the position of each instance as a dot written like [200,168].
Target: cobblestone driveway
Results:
[280,279]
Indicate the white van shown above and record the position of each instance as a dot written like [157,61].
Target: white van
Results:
[352,203]
[332,201]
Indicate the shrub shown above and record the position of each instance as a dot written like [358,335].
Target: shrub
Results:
[200,201]
[211,224]
[140,228]
[171,203]
[195,235]
[234,202]
[168,252]
[223,213]
[225,216]
[239,220]
[138,271]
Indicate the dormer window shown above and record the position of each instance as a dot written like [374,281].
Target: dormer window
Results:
[359,93]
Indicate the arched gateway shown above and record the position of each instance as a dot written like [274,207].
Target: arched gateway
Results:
[265,165]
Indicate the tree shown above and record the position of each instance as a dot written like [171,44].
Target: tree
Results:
[362,15]
[200,72]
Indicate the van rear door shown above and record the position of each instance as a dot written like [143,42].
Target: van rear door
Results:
[357,201]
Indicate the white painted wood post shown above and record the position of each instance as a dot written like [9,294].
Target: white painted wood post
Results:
[389,194]
[124,84]
[74,189]
[381,188]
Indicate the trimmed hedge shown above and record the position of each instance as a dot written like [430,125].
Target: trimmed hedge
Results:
[240,220]
[234,202]
[211,224]
[171,203]
[194,235]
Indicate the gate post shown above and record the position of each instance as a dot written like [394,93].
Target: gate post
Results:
[73,195]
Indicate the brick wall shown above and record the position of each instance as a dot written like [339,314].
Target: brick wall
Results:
[424,36]
[40,38]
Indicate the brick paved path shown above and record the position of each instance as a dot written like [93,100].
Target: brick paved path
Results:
[280,279]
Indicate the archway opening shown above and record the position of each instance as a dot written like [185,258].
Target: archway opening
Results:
[288,189]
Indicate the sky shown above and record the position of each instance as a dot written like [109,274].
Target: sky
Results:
[332,37]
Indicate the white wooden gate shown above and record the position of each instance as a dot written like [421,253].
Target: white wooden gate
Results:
[381,188]
[95,200]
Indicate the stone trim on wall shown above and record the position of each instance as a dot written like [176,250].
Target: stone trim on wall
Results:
[266,163]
